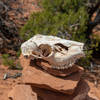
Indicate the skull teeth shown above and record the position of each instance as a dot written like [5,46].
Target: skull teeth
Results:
[68,64]
[62,67]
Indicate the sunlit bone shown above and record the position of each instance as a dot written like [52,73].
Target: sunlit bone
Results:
[60,53]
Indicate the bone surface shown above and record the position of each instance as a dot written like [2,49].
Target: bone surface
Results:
[60,53]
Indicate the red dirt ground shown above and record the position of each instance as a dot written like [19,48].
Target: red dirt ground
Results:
[6,85]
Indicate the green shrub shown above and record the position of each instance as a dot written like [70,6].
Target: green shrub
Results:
[18,53]
[10,62]
[95,42]
[58,16]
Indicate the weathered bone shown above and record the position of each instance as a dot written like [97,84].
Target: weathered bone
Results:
[60,53]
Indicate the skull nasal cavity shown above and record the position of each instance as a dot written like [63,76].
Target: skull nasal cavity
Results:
[45,49]
[61,45]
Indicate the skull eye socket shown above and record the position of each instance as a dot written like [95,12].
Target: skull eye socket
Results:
[34,53]
[26,56]
[45,49]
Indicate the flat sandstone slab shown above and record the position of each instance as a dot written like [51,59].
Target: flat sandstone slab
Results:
[61,72]
[36,77]
[22,92]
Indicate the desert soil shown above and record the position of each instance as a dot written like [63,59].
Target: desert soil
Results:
[8,84]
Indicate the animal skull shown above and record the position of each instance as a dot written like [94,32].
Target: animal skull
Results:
[60,53]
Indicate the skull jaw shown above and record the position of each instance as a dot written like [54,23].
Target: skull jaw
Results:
[59,61]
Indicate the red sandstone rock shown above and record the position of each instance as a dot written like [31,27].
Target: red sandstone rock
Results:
[22,92]
[94,92]
[44,94]
[36,77]
[62,73]
[24,61]
[45,84]
[86,91]
[96,30]
[93,16]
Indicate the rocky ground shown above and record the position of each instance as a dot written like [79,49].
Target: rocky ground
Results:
[37,84]
[7,85]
